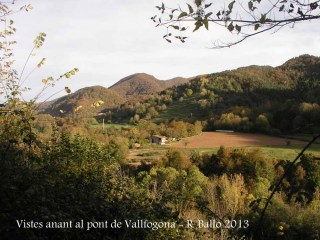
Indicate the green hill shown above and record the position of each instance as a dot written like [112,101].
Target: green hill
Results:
[144,84]
[254,98]
[136,87]
[82,102]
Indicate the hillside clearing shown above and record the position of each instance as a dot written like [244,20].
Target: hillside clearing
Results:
[187,109]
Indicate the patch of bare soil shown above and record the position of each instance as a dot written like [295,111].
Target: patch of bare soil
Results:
[217,139]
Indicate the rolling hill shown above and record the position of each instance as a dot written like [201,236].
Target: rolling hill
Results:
[84,100]
[254,98]
[139,85]
[239,96]
[144,84]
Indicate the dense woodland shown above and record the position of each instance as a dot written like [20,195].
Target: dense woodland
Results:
[71,178]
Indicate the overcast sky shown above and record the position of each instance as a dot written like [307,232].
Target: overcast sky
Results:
[110,39]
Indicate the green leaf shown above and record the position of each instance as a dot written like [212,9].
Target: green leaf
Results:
[190,8]
[206,23]
[230,27]
[218,15]
[230,6]
[314,5]
[183,14]
[300,12]
[67,90]
[256,26]
[263,18]
[238,28]
[198,3]
[208,14]
[198,25]
[281,8]
[207,5]
[175,27]
[250,5]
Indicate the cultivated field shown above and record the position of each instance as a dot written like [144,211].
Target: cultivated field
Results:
[210,142]
[217,139]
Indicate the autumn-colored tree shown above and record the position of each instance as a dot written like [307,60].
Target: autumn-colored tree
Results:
[176,159]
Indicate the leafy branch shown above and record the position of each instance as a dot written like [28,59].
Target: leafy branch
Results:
[16,114]
[244,21]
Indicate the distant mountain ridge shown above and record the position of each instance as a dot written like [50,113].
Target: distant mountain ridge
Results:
[144,84]
[139,85]
[301,73]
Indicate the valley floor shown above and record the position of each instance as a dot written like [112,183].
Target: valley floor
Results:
[210,142]
[234,139]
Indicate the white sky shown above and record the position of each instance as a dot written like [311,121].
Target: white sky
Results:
[110,39]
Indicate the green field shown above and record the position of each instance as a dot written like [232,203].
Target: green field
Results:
[279,152]
[187,109]
[302,136]
[289,152]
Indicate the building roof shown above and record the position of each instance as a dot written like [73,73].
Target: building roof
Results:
[158,136]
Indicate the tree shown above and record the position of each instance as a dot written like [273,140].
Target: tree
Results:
[17,114]
[176,159]
[262,123]
[189,92]
[244,18]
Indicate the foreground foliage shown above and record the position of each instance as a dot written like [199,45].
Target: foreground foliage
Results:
[70,178]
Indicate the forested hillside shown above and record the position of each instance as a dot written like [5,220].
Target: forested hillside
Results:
[144,84]
[87,102]
[255,98]
[275,100]
[84,102]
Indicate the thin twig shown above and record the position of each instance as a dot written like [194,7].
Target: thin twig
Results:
[260,222]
